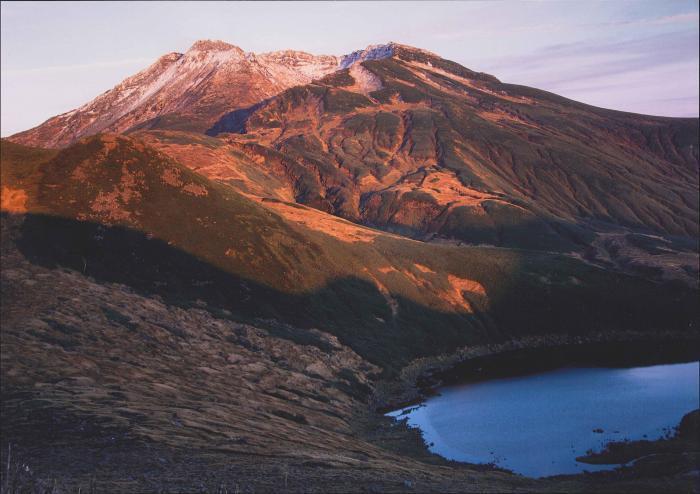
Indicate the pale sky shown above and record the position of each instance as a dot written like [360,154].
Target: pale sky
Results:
[632,55]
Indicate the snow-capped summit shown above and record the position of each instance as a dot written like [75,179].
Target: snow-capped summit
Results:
[212,45]
[372,52]
[211,78]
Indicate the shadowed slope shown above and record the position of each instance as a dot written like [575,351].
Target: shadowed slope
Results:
[113,389]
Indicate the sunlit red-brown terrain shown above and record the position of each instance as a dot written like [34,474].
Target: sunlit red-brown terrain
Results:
[219,273]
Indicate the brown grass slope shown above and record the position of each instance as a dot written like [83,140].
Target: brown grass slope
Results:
[109,389]
[157,330]
[115,208]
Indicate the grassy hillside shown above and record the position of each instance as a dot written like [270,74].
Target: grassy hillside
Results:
[164,331]
[118,210]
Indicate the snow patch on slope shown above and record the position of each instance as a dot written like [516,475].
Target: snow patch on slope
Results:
[365,81]
[372,52]
[290,68]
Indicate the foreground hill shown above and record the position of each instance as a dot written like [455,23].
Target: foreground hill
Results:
[139,295]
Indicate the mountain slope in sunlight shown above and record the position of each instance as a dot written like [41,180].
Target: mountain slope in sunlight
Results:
[116,208]
[433,150]
[398,138]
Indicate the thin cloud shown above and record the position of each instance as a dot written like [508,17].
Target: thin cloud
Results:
[550,27]
[489,31]
[584,59]
[631,74]
[686,17]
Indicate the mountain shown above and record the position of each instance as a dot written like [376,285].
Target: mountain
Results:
[221,271]
[398,138]
[191,90]
[431,149]
[200,85]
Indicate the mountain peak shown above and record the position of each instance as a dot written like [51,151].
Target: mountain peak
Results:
[213,77]
[380,51]
[206,45]
[372,52]
[396,47]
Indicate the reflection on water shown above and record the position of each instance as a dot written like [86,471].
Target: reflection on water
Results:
[536,425]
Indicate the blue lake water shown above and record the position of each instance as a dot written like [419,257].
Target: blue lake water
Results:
[537,424]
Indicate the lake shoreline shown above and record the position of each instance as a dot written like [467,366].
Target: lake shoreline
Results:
[420,380]
[685,439]
[517,357]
